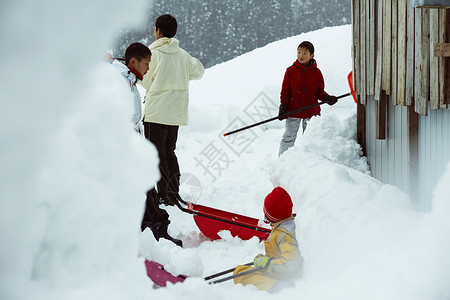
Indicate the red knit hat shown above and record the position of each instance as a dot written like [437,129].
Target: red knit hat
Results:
[277,205]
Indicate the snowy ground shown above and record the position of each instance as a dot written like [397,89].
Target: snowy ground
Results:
[73,175]
[360,239]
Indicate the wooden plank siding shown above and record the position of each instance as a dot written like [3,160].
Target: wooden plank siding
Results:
[401,50]
[371,51]
[445,79]
[393,53]
[394,45]
[420,61]
[363,71]
[410,53]
[425,51]
[434,60]
[356,49]
[379,50]
[387,48]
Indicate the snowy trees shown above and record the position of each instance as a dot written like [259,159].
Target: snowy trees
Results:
[217,30]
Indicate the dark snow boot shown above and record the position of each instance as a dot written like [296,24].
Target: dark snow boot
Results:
[162,232]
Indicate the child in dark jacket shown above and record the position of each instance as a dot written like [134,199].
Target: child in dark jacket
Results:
[282,261]
[302,86]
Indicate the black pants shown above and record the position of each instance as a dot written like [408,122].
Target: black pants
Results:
[164,137]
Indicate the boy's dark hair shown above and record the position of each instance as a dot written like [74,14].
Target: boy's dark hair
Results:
[138,51]
[167,24]
[307,45]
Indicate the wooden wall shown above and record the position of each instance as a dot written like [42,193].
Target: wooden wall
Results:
[394,54]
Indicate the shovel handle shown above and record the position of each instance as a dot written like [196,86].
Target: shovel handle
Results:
[224,272]
[285,115]
[237,275]
[197,213]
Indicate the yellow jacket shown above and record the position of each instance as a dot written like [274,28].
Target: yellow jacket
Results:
[282,246]
[167,82]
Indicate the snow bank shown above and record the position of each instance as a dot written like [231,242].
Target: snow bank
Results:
[360,239]
[73,172]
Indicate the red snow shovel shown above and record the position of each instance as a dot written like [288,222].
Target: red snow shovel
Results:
[160,276]
[350,83]
[211,220]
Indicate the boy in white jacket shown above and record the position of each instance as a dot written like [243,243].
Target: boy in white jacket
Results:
[137,60]
[166,108]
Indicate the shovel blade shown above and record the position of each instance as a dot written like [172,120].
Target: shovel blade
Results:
[212,221]
[350,83]
[159,276]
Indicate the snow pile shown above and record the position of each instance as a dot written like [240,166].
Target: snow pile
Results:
[335,140]
[360,239]
[73,172]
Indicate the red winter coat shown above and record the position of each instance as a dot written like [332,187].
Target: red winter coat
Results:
[303,86]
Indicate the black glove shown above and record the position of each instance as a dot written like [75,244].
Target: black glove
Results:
[283,110]
[331,100]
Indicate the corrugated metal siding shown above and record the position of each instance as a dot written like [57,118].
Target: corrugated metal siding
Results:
[434,152]
[388,159]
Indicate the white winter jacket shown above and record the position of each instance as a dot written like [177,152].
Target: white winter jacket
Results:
[167,82]
[131,78]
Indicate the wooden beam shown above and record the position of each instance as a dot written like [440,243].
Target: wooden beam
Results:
[401,78]
[361,126]
[433,6]
[413,147]
[381,117]
[442,50]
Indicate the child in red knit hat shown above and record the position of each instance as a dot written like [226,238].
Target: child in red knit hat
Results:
[282,261]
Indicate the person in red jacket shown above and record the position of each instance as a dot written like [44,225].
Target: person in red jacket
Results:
[302,86]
